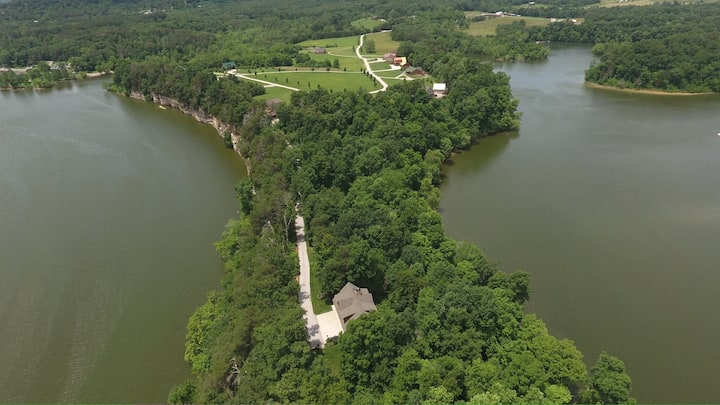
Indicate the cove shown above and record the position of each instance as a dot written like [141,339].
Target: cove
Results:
[611,201]
[109,208]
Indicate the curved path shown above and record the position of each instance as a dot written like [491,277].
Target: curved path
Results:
[267,83]
[368,68]
[313,326]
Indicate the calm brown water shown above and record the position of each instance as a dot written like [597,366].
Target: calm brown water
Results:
[611,201]
[109,208]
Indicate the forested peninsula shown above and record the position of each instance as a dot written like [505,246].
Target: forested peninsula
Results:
[363,169]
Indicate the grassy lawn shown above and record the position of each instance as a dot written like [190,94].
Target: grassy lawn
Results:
[488,26]
[351,63]
[368,23]
[341,42]
[390,74]
[383,43]
[333,355]
[319,305]
[276,92]
[336,80]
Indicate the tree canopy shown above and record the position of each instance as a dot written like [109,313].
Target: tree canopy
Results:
[364,170]
[665,46]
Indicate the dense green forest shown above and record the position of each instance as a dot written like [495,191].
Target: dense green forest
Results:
[665,46]
[450,326]
[364,170]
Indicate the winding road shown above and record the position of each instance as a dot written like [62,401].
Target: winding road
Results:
[368,68]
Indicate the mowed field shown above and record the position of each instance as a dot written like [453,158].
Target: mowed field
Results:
[367,23]
[341,48]
[487,27]
[276,92]
[383,43]
[350,63]
[340,42]
[334,80]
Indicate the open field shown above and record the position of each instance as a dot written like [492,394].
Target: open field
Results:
[383,43]
[367,23]
[488,26]
[335,80]
[340,42]
[390,74]
[338,47]
[351,63]
[276,92]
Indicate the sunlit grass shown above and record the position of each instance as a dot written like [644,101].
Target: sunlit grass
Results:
[320,78]
[367,23]
[276,92]
[487,27]
[340,42]
[383,43]
[349,63]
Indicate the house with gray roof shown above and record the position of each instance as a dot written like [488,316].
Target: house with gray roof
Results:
[352,302]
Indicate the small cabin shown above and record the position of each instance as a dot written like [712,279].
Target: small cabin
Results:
[229,65]
[352,302]
[439,90]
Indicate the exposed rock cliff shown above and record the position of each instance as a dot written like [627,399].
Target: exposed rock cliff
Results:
[200,115]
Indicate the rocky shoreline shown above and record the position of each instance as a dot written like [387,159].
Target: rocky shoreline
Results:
[200,116]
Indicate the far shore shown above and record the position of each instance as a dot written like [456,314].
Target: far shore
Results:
[79,76]
[643,91]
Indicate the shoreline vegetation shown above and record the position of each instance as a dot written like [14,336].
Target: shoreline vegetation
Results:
[664,49]
[644,91]
[24,81]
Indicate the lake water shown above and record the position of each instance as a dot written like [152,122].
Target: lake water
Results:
[611,201]
[109,208]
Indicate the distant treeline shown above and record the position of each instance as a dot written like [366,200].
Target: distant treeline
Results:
[664,46]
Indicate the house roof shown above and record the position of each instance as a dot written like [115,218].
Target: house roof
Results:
[400,60]
[352,302]
[412,70]
[439,87]
[228,65]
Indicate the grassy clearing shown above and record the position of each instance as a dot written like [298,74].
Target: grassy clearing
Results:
[488,26]
[367,23]
[340,42]
[319,304]
[348,52]
[335,80]
[351,63]
[389,74]
[276,92]
[383,43]
[336,47]
[333,355]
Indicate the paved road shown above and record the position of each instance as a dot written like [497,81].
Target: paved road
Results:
[313,327]
[368,68]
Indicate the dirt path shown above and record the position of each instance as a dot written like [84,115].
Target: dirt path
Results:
[313,327]
[368,68]
[267,83]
